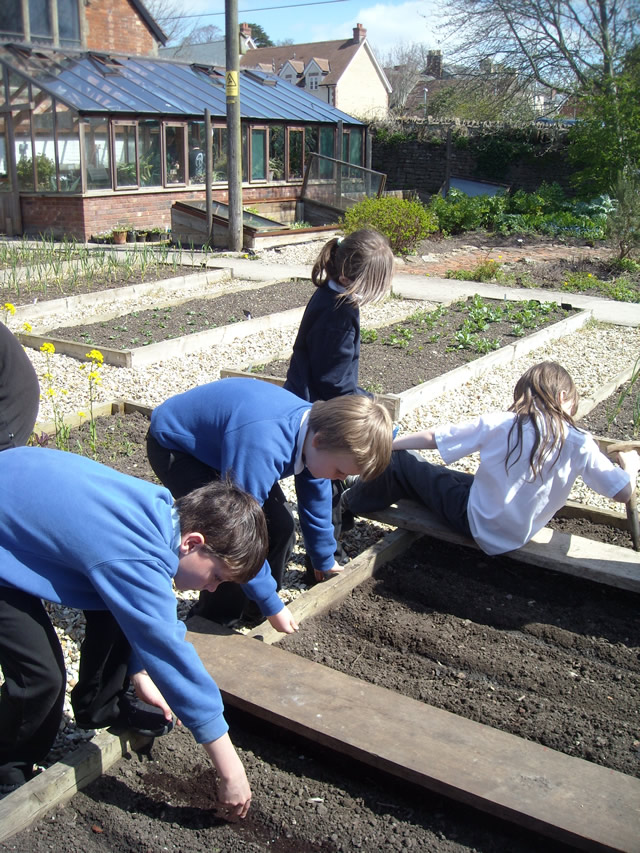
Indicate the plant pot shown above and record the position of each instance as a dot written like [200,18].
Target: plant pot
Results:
[119,237]
[154,237]
[141,237]
[131,236]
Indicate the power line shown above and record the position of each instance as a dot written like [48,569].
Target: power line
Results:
[259,9]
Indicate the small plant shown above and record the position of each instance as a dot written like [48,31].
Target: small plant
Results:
[368,336]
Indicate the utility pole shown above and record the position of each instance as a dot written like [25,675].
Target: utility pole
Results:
[234,144]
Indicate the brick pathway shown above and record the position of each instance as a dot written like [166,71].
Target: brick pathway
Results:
[470,257]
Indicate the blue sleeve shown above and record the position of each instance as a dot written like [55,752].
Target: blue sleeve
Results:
[262,590]
[141,598]
[314,511]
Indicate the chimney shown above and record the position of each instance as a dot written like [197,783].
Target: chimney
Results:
[434,64]
[245,31]
[359,34]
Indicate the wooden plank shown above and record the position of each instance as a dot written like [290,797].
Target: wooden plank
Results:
[573,509]
[325,595]
[62,780]
[548,549]
[566,798]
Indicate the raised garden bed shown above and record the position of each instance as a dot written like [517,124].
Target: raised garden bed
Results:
[166,322]
[403,368]
[150,333]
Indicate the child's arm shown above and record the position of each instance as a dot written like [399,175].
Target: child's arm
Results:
[234,793]
[424,440]
[629,461]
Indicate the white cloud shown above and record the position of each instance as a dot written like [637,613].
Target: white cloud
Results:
[387,25]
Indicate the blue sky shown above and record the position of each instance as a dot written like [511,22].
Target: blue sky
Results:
[387,24]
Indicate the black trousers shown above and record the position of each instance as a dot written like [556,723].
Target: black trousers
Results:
[181,473]
[32,696]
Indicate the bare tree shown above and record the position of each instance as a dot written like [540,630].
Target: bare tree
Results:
[404,66]
[169,15]
[565,45]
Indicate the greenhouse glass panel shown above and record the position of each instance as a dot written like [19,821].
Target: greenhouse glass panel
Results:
[296,142]
[149,153]
[96,152]
[197,152]
[258,154]
[67,131]
[5,181]
[42,118]
[124,137]
[220,172]
[276,152]
[175,153]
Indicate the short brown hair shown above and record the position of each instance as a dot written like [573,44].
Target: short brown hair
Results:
[357,425]
[232,523]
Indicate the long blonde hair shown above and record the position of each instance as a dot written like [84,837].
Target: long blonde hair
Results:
[537,400]
[364,258]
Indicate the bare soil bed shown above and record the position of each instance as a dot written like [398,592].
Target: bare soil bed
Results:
[428,344]
[173,321]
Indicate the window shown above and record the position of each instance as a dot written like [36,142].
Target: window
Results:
[125,149]
[68,148]
[5,181]
[54,22]
[352,145]
[296,153]
[276,152]
[197,153]
[96,153]
[42,118]
[313,82]
[175,148]
[220,171]
[149,153]
[258,153]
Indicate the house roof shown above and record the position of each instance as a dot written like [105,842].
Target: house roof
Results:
[338,53]
[99,83]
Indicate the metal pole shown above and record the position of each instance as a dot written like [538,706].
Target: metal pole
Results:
[208,153]
[234,138]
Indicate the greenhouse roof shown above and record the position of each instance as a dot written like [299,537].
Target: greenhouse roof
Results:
[93,83]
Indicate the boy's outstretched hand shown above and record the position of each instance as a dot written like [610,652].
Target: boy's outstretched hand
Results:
[149,693]
[283,621]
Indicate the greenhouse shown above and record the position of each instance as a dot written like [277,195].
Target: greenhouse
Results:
[89,140]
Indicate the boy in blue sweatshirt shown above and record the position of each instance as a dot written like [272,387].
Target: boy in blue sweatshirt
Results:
[83,535]
[257,434]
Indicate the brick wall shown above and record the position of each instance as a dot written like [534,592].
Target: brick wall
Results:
[79,217]
[115,25]
[420,164]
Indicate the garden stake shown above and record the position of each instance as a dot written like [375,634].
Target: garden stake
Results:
[632,504]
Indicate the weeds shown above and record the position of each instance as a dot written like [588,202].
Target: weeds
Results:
[631,391]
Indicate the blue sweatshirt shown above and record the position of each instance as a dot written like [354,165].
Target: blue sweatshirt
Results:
[83,535]
[248,429]
[326,351]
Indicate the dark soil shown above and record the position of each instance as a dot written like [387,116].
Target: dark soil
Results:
[24,293]
[544,656]
[425,346]
[617,417]
[197,315]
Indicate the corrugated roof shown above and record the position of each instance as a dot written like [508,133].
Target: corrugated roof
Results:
[118,84]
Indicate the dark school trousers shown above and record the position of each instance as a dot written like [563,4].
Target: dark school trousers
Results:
[181,473]
[32,696]
[409,476]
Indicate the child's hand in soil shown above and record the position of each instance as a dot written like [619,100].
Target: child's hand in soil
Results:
[283,621]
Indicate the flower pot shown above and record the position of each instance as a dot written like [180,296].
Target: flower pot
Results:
[119,237]
[131,236]
[141,237]
[154,237]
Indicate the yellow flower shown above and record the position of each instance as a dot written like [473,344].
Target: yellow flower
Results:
[82,414]
[47,347]
[27,327]
[94,376]
[589,275]
[51,392]
[95,355]
[8,306]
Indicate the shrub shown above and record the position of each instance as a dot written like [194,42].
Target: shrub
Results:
[404,223]
[623,221]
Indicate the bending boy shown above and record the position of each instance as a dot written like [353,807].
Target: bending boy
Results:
[80,534]
[257,434]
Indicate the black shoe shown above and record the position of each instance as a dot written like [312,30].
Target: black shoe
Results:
[137,716]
